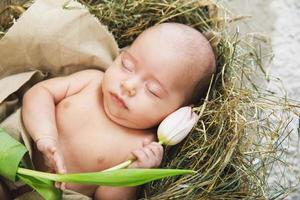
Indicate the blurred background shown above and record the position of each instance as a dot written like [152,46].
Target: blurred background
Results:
[280,19]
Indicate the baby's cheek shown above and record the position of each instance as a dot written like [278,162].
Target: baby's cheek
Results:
[118,78]
[110,79]
[151,117]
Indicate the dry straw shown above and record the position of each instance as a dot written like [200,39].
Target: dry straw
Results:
[239,139]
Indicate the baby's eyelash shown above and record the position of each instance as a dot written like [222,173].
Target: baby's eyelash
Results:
[152,92]
[124,66]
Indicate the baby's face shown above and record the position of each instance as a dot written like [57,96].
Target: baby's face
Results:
[150,81]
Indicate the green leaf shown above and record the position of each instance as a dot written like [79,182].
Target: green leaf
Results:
[43,186]
[11,153]
[120,177]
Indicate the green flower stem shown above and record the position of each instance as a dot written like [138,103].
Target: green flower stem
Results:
[124,164]
[120,166]
[33,173]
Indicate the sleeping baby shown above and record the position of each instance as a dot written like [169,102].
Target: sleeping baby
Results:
[90,121]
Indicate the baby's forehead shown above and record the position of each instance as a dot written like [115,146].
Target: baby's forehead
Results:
[178,78]
[171,74]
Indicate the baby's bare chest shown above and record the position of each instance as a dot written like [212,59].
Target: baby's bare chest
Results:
[89,140]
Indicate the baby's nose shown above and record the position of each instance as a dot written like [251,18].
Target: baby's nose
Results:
[128,87]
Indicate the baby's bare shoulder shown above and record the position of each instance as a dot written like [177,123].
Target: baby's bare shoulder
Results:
[92,73]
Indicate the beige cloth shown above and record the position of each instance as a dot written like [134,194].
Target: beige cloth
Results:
[52,38]
[59,40]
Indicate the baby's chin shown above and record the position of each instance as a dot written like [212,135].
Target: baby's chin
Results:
[126,122]
[118,117]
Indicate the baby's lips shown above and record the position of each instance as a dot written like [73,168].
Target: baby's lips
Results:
[119,100]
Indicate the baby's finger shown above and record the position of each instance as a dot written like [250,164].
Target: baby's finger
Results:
[140,155]
[158,152]
[157,145]
[57,185]
[49,148]
[48,156]
[52,149]
[149,152]
[49,162]
[63,186]
[156,148]
[51,167]
[59,163]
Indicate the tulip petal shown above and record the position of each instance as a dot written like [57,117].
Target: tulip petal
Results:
[183,133]
[177,125]
[169,124]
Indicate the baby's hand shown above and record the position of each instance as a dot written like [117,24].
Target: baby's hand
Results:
[150,156]
[52,156]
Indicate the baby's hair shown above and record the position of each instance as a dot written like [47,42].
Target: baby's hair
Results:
[201,59]
[201,87]
[209,67]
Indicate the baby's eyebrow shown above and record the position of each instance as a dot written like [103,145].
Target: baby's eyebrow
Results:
[129,56]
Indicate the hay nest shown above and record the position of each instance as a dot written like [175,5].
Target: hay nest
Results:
[238,139]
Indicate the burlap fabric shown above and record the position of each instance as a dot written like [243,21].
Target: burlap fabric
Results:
[52,38]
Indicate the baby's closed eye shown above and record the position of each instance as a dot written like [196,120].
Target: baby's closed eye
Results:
[154,90]
[127,64]
[127,67]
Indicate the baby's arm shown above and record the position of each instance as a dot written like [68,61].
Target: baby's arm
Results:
[38,111]
[150,156]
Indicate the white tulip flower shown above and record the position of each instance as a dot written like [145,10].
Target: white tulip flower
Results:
[175,127]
